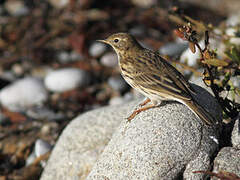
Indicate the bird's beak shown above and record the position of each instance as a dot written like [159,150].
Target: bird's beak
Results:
[103,41]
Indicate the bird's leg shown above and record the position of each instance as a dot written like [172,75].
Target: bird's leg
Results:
[137,111]
[146,100]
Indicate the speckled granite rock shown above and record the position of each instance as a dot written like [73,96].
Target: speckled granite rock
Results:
[236,134]
[160,143]
[82,142]
[228,159]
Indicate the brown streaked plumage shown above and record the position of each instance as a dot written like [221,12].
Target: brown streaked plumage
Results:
[153,76]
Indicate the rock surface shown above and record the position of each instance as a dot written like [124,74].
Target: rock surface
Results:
[228,159]
[236,134]
[146,148]
[159,144]
[82,142]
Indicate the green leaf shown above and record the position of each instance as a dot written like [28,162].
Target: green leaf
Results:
[234,53]
[215,62]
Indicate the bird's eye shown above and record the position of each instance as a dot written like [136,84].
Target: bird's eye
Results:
[116,40]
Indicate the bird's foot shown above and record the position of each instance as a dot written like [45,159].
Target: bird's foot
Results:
[137,111]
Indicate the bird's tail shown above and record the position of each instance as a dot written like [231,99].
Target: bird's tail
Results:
[200,112]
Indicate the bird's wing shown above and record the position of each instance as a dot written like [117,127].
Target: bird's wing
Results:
[160,76]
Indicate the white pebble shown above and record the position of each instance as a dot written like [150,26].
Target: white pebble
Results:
[63,57]
[138,30]
[235,40]
[44,113]
[109,59]
[75,56]
[189,57]
[41,147]
[66,79]
[16,8]
[128,96]
[230,31]
[116,101]
[236,81]
[97,49]
[30,159]
[59,3]
[23,93]
[233,20]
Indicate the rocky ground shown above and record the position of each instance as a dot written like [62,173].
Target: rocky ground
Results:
[52,70]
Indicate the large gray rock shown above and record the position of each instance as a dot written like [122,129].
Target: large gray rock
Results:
[162,143]
[82,142]
[228,160]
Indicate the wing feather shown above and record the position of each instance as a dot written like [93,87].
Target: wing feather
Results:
[160,76]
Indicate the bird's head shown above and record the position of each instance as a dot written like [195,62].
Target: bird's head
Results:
[122,42]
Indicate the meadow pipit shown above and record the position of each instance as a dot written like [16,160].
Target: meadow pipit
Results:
[153,76]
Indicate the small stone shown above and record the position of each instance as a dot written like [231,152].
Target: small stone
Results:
[40,71]
[144,3]
[23,94]
[45,129]
[74,56]
[228,160]
[63,57]
[66,57]
[173,49]
[137,31]
[230,31]
[128,96]
[16,8]
[18,69]
[109,59]
[236,134]
[8,75]
[116,101]
[217,31]
[30,159]
[48,127]
[59,3]
[66,79]
[97,49]
[189,57]
[41,147]
[118,83]
[236,81]
[235,40]
[42,113]
[233,20]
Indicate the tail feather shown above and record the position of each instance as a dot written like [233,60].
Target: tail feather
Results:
[200,112]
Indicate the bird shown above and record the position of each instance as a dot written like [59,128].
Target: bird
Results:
[153,76]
